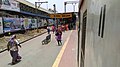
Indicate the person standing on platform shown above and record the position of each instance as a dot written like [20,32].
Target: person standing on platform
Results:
[59,36]
[53,29]
[66,26]
[48,30]
[12,46]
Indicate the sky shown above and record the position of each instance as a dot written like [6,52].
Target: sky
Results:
[59,5]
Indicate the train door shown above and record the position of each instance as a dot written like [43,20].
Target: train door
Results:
[83,38]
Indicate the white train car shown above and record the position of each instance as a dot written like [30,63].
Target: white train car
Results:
[100,33]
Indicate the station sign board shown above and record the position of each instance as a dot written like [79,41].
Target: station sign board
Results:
[68,15]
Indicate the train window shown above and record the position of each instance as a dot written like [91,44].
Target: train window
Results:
[103,21]
[99,30]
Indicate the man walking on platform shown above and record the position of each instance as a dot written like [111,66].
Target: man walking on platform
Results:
[48,30]
[12,46]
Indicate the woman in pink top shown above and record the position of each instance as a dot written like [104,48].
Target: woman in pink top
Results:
[53,28]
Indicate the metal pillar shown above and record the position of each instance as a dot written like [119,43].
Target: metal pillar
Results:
[78,49]
[65,6]
[74,7]
[56,23]
[70,2]
[36,16]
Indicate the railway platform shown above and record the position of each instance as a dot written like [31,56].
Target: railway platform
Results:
[34,54]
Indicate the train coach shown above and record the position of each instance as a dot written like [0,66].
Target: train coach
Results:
[99,33]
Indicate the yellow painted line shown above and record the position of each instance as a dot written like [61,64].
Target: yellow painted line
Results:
[57,61]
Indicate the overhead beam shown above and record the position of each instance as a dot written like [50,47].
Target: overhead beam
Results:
[70,2]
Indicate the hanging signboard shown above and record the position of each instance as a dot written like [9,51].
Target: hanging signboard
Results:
[67,15]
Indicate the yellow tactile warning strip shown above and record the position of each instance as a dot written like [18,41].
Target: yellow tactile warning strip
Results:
[57,61]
